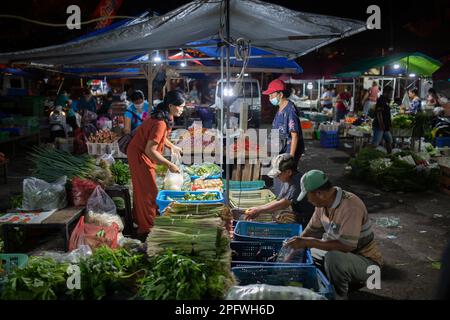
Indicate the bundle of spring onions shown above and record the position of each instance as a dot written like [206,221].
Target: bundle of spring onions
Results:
[50,164]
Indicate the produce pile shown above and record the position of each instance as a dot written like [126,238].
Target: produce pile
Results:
[50,164]
[247,146]
[196,137]
[103,136]
[121,173]
[402,121]
[212,184]
[198,233]
[402,171]
[200,197]
[204,170]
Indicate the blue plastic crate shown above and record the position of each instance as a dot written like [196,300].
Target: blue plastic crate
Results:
[308,277]
[257,231]
[163,202]
[245,185]
[247,253]
[329,139]
[10,261]
[442,142]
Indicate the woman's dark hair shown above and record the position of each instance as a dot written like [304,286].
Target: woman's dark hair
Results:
[414,90]
[432,91]
[86,91]
[161,112]
[136,95]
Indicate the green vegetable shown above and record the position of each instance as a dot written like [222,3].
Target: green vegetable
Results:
[16,201]
[205,169]
[403,121]
[121,173]
[174,276]
[119,202]
[200,197]
[51,164]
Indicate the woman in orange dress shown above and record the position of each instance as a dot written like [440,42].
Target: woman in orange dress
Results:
[145,151]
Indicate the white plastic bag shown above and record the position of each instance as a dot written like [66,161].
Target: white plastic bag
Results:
[39,194]
[100,202]
[108,158]
[174,181]
[269,292]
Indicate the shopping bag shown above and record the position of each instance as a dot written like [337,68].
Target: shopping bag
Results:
[93,236]
[100,202]
[81,191]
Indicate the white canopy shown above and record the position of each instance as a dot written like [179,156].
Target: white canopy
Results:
[270,27]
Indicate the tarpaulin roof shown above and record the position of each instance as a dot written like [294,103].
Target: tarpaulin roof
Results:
[269,27]
[417,63]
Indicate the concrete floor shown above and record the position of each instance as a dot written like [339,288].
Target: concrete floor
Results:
[421,237]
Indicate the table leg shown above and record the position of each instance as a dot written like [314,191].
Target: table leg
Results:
[66,237]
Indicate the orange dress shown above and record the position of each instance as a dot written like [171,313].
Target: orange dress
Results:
[143,175]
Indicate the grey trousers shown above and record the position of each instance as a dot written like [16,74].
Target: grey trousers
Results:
[342,269]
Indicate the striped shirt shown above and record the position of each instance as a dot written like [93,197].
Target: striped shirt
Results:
[347,221]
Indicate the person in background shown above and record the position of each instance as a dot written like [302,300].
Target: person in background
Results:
[286,202]
[382,120]
[87,101]
[342,104]
[136,112]
[105,110]
[63,100]
[339,233]
[144,152]
[326,101]
[210,98]
[370,99]
[194,95]
[415,102]
[287,122]
[432,98]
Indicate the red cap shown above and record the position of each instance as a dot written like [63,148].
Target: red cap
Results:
[275,86]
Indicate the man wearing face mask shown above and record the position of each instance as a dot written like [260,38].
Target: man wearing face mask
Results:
[339,233]
[136,113]
[287,122]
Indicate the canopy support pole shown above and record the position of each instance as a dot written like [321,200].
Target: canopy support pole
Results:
[227,28]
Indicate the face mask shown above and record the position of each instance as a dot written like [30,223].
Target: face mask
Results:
[139,105]
[275,101]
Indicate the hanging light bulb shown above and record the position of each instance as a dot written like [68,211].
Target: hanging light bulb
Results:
[412,75]
[183,64]
[228,92]
[157,58]
[396,66]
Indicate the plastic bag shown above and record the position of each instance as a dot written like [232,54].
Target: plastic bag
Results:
[81,191]
[39,194]
[108,158]
[269,292]
[104,219]
[290,255]
[100,202]
[174,181]
[75,256]
[93,236]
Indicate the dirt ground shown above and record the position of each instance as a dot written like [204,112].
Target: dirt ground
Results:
[410,249]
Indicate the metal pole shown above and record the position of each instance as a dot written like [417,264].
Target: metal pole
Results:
[227,27]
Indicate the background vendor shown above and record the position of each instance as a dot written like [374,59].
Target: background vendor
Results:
[292,211]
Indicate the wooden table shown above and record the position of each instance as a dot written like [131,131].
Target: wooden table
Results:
[61,220]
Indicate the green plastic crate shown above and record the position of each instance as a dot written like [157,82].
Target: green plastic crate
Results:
[245,185]
[9,261]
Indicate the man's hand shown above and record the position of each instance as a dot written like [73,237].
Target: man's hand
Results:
[296,243]
[251,213]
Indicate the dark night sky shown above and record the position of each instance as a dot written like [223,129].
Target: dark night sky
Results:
[406,25]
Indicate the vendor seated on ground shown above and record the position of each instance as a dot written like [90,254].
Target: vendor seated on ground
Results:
[286,205]
[339,234]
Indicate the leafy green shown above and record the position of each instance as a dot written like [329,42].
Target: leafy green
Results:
[205,169]
[42,279]
[121,173]
[402,121]
[174,276]
[16,201]
[200,197]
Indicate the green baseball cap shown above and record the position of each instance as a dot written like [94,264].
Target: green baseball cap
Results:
[312,180]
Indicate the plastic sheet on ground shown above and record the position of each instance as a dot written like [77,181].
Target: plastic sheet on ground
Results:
[269,292]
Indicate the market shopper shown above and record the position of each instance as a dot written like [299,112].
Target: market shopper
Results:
[370,98]
[87,101]
[339,234]
[326,101]
[286,206]
[382,120]
[144,152]
[342,104]
[137,112]
[415,101]
[287,122]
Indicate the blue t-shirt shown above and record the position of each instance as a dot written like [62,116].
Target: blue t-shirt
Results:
[288,121]
[135,121]
[90,104]
[416,106]
[74,108]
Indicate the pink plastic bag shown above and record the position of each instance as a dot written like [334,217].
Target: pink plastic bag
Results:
[93,236]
